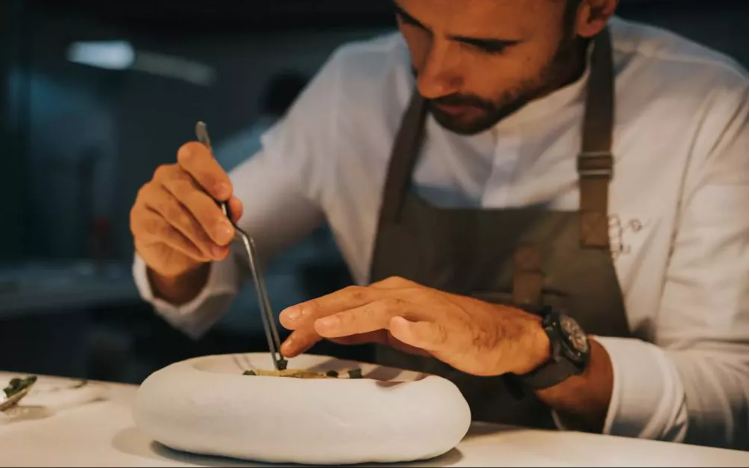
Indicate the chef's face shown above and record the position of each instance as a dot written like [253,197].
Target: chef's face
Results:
[477,61]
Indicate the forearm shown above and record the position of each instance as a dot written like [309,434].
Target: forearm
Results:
[582,401]
[180,289]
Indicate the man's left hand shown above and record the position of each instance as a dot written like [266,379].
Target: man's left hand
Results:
[470,335]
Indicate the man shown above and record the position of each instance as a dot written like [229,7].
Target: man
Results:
[465,168]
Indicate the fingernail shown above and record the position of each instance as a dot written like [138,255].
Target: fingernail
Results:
[292,313]
[224,230]
[287,345]
[217,251]
[183,151]
[328,322]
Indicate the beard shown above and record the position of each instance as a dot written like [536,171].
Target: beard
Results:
[481,114]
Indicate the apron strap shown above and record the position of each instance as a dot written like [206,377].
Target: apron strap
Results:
[595,163]
[403,158]
[528,278]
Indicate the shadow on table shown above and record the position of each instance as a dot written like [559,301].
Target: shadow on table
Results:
[131,441]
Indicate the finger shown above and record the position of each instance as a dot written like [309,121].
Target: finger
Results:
[404,347]
[425,335]
[367,318]
[153,229]
[299,341]
[175,213]
[378,336]
[381,337]
[236,209]
[197,160]
[394,282]
[347,298]
[216,226]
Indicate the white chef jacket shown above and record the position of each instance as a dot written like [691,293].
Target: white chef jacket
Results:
[678,207]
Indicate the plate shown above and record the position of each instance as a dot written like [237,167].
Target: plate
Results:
[206,405]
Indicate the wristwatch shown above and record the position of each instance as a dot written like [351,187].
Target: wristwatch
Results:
[569,351]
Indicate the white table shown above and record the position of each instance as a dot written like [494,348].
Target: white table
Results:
[102,433]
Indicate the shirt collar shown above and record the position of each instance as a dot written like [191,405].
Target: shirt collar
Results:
[553,102]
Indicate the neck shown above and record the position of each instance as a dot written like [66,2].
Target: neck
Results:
[567,66]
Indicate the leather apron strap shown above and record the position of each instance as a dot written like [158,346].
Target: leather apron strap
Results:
[403,158]
[595,168]
[595,162]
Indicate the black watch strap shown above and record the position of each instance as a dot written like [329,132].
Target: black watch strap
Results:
[549,374]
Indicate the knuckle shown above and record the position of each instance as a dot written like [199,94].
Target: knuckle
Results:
[185,221]
[150,226]
[174,213]
[391,305]
[312,307]
[189,152]
[395,280]
[165,231]
[355,293]
[162,171]
[182,189]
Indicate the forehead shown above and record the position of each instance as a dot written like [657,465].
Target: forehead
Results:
[485,18]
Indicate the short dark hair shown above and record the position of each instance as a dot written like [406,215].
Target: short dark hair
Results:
[569,15]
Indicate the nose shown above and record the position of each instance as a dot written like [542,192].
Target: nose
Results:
[439,75]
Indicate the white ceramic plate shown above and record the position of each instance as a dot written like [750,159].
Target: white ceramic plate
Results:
[205,405]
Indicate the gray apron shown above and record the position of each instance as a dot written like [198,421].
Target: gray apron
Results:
[520,256]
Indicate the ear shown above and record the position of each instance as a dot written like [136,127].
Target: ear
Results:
[593,15]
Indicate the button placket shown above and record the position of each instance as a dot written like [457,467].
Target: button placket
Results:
[500,185]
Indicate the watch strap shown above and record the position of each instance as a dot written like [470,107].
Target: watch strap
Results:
[549,374]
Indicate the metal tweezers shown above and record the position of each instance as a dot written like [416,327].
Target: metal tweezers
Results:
[267,315]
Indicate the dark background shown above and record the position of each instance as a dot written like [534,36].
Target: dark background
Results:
[78,141]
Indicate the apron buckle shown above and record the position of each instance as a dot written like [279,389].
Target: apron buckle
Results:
[595,164]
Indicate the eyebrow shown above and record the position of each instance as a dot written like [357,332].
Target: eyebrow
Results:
[475,41]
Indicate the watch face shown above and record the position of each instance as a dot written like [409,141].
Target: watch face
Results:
[576,336]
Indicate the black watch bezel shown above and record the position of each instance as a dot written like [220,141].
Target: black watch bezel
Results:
[552,324]
[565,360]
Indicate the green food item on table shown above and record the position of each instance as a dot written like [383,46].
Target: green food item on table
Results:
[18,385]
[304,374]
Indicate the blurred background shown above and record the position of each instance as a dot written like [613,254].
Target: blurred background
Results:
[94,95]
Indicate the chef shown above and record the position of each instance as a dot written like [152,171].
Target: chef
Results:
[540,201]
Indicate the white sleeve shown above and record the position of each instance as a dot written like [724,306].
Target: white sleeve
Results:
[280,189]
[691,385]
[194,318]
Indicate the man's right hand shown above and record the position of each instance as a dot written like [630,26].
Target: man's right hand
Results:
[177,226]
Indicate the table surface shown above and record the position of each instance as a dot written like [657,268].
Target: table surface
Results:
[102,433]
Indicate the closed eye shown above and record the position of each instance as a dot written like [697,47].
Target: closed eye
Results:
[489,46]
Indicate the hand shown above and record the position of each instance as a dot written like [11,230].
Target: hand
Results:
[472,336]
[176,224]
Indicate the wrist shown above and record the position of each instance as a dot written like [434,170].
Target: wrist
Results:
[179,289]
[536,349]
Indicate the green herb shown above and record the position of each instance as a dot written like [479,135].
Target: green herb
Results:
[355,373]
[18,385]
[249,372]
[332,373]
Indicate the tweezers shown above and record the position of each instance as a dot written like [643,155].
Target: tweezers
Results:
[267,315]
